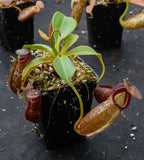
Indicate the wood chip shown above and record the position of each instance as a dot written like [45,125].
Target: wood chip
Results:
[2,149]
[58,1]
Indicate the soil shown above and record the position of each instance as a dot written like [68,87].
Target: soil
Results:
[44,76]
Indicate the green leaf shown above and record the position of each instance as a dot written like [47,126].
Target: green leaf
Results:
[41,47]
[34,63]
[64,24]
[68,42]
[82,50]
[86,50]
[64,68]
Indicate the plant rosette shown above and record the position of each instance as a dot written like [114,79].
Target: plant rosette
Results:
[101,13]
[58,86]
[14,18]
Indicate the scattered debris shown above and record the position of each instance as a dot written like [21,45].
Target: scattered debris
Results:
[33,129]
[127,78]
[2,149]
[116,69]
[110,75]
[134,138]
[4,110]
[137,114]
[108,64]
[83,32]
[81,37]
[131,12]
[58,1]
[94,46]
[113,66]
[130,71]
[134,128]
[115,54]
[104,154]
[132,135]
[118,156]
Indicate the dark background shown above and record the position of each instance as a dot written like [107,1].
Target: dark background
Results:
[18,142]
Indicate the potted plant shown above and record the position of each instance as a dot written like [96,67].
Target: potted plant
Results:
[58,86]
[16,19]
[62,83]
[105,20]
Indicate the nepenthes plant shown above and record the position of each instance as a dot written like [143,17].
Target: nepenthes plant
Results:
[25,13]
[133,22]
[59,30]
[60,62]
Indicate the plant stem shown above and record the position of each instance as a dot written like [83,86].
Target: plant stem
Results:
[81,106]
[25,96]
[124,13]
[52,43]
[103,66]
[16,7]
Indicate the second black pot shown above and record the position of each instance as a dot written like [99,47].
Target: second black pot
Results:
[104,29]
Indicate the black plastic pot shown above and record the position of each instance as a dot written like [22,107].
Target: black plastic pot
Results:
[13,33]
[104,29]
[60,112]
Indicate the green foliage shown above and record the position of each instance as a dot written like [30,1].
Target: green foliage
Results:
[64,67]
[62,31]
[68,42]
[41,47]
[34,63]
[65,25]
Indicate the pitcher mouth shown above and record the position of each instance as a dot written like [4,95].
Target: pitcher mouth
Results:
[127,97]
